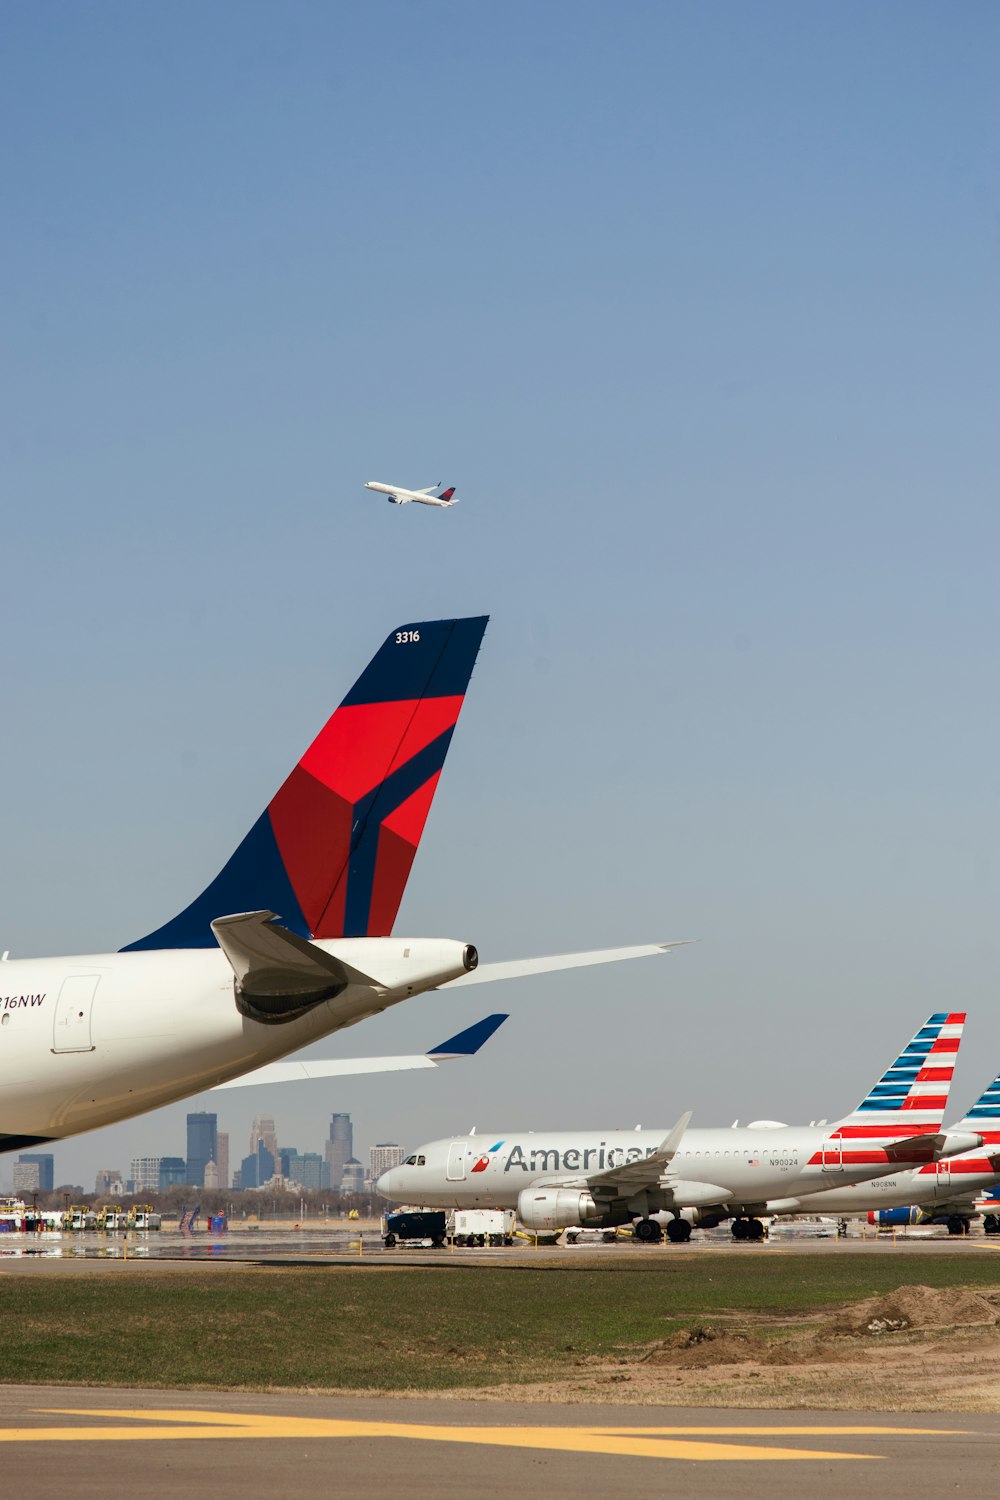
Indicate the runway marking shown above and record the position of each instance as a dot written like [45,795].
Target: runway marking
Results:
[636,1442]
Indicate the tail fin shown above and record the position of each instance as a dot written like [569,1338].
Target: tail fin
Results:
[332,851]
[447,494]
[911,1096]
[984,1116]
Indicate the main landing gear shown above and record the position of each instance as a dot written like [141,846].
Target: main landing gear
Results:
[747,1229]
[958,1225]
[678,1231]
[647,1231]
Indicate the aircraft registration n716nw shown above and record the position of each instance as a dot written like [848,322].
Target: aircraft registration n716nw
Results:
[698,1177]
[290,942]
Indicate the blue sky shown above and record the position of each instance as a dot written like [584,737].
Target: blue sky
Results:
[698,308]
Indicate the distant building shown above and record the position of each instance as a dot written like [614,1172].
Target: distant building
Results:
[339,1149]
[46,1168]
[222,1158]
[353,1177]
[202,1145]
[211,1176]
[263,1131]
[173,1171]
[382,1158]
[105,1184]
[304,1168]
[257,1169]
[27,1177]
[145,1174]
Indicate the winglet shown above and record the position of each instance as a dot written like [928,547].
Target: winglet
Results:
[671,1143]
[469,1041]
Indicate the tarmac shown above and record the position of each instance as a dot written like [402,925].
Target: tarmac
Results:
[55,1439]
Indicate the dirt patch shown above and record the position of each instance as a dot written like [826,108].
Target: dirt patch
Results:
[916,1307]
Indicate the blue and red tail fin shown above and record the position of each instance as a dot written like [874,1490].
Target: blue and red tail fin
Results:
[332,851]
[447,494]
[911,1096]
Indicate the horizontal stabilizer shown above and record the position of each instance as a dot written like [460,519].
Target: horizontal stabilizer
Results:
[518,968]
[466,1044]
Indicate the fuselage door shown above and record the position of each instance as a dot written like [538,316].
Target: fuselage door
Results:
[944,1174]
[456,1161]
[833,1155]
[74,1008]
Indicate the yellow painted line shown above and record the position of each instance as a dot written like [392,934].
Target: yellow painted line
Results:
[652,1442]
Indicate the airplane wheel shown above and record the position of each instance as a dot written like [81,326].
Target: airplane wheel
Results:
[678,1231]
[957,1225]
[755,1230]
[740,1229]
[647,1231]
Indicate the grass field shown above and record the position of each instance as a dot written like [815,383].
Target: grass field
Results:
[409,1329]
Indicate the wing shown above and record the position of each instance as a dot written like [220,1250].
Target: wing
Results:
[631,1176]
[466,1044]
[518,968]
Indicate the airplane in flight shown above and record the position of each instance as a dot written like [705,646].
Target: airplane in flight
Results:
[700,1177]
[398,496]
[942,1192]
[289,943]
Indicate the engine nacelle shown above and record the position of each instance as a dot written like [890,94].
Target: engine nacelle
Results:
[556,1208]
[893,1216]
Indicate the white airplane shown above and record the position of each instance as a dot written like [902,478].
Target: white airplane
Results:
[227,987]
[397,496]
[699,1177]
[939,1192]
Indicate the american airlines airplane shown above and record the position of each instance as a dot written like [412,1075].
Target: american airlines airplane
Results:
[701,1177]
[944,1191]
[290,942]
[397,496]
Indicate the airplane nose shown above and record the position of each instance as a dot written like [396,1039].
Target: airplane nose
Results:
[386,1184]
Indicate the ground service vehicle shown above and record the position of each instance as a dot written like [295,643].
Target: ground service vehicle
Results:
[411,1228]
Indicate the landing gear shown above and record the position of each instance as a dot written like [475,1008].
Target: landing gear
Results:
[678,1231]
[957,1225]
[991,1224]
[747,1229]
[647,1231]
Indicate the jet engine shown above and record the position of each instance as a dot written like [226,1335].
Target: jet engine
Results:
[556,1208]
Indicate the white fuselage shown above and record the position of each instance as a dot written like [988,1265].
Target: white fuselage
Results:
[85,1041]
[948,1181]
[735,1167]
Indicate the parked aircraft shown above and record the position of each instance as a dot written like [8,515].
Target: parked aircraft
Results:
[397,496]
[942,1192]
[698,1176]
[228,986]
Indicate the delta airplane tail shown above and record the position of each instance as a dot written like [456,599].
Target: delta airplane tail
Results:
[332,851]
[911,1096]
[446,495]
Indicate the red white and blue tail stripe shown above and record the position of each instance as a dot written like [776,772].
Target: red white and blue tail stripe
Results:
[911,1096]
[984,1116]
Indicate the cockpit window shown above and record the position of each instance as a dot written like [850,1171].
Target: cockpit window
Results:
[415,1161]
[421,1161]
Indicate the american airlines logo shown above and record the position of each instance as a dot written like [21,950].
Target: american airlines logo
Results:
[484,1161]
[574,1159]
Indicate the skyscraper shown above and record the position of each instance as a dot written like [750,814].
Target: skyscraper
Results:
[222,1160]
[145,1173]
[46,1168]
[258,1168]
[202,1145]
[263,1130]
[339,1149]
[382,1158]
